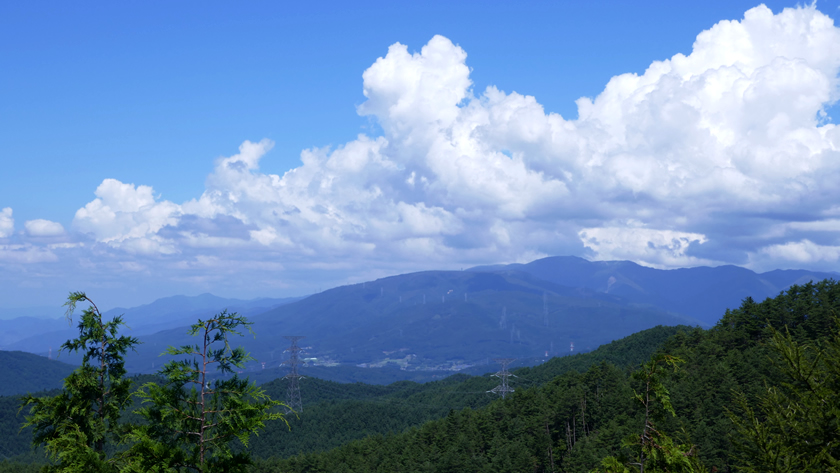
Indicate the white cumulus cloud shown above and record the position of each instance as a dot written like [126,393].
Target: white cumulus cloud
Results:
[7,223]
[659,248]
[125,214]
[41,227]
[26,254]
[803,252]
[704,158]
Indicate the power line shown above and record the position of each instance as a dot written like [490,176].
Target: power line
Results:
[293,362]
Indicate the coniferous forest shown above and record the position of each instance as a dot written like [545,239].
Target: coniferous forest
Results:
[758,392]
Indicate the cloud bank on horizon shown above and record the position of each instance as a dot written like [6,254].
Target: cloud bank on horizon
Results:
[724,156]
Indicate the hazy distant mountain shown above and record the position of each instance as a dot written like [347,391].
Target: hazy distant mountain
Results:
[43,312]
[23,373]
[38,336]
[437,319]
[703,293]
[23,327]
[177,311]
[449,319]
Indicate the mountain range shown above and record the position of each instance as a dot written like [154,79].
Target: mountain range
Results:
[703,293]
[39,335]
[446,321]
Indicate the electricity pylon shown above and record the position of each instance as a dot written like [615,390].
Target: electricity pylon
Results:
[503,374]
[294,401]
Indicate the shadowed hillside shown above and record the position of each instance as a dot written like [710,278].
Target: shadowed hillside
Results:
[23,373]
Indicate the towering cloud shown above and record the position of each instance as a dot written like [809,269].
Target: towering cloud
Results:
[723,155]
[127,216]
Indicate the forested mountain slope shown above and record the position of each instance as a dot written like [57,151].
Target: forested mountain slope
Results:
[437,320]
[336,413]
[22,372]
[574,421]
[760,387]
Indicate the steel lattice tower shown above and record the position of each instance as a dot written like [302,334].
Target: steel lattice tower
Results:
[293,362]
[503,374]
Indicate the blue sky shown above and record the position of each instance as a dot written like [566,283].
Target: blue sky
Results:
[156,94]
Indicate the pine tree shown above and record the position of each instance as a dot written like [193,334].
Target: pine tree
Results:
[77,425]
[794,425]
[192,418]
[654,451]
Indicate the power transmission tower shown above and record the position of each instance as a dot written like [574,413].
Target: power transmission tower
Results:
[293,362]
[503,374]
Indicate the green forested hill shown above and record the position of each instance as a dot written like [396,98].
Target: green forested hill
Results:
[349,374]
[14,441]
[337,413]
[24,372]
[577,419]
[760,391]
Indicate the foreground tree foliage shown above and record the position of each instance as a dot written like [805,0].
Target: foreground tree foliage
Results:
[654,451]
[189,422]
[76,425]
[191,419]
[794,425]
